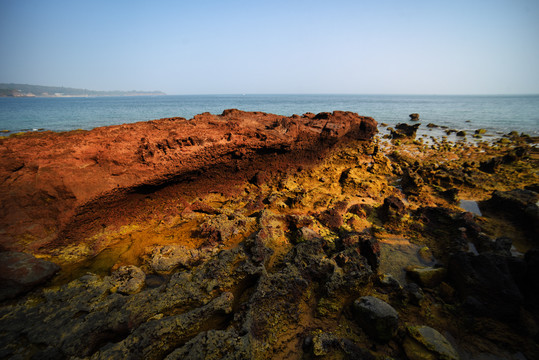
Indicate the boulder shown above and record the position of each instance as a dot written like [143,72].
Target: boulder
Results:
[414,117]
[428,277]
[520,205]
[392,209]
[20,272]
[404,131]
[76,183]
[376,317]
[425,343]
[486,284]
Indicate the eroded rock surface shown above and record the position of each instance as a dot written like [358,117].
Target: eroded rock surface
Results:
[61,187]
[257,250]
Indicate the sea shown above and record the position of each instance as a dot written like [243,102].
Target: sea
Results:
[498,114]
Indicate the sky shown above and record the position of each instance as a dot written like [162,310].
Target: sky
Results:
[274,47]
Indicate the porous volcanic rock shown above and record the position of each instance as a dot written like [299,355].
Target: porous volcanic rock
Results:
[58,188]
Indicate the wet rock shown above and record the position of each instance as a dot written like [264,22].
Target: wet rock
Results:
[426,276]
[425,343]
[128,279]
[461,133]
[404,131]
[480,131]
[486,284]
[392,210]
[376,317]
[414,117]
[20,272]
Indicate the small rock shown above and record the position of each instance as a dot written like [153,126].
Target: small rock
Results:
[415,294]
[392,209]
[425,255]
[260,178]
[461,133]
[376,317]
[424,343]
[20,272]
[426,276]
[331,218]
[451,195]
[414,117]
[491,165]
[480,131]
[324,343]
[128,279]
[404,131]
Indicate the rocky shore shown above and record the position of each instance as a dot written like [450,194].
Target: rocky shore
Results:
[248,235]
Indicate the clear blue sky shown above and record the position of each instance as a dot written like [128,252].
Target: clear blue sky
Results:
[278,46]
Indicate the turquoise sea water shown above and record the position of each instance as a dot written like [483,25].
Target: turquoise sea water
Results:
[498,114]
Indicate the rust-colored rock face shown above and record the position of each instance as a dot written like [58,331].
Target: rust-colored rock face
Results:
[57,187]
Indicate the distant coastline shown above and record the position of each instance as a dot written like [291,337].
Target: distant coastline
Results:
[25,90]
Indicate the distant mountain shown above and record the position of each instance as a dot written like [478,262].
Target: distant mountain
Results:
[24,90]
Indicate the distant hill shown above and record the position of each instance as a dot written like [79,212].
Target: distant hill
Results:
[24,90]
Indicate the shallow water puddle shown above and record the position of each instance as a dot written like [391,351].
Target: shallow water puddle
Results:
[396,253]
[470,206]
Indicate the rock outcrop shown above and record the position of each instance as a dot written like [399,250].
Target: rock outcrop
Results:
[61,187]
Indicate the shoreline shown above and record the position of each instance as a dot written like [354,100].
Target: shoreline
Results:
[277,229]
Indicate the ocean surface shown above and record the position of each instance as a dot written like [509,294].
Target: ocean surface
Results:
[497,113]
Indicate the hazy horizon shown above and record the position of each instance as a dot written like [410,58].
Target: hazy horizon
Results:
[279,47]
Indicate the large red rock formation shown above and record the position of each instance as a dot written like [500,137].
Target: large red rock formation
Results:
[57,186]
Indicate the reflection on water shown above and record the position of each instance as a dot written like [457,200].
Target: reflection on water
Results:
[396,253]
[470,206]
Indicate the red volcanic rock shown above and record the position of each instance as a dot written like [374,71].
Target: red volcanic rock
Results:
[60,187]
